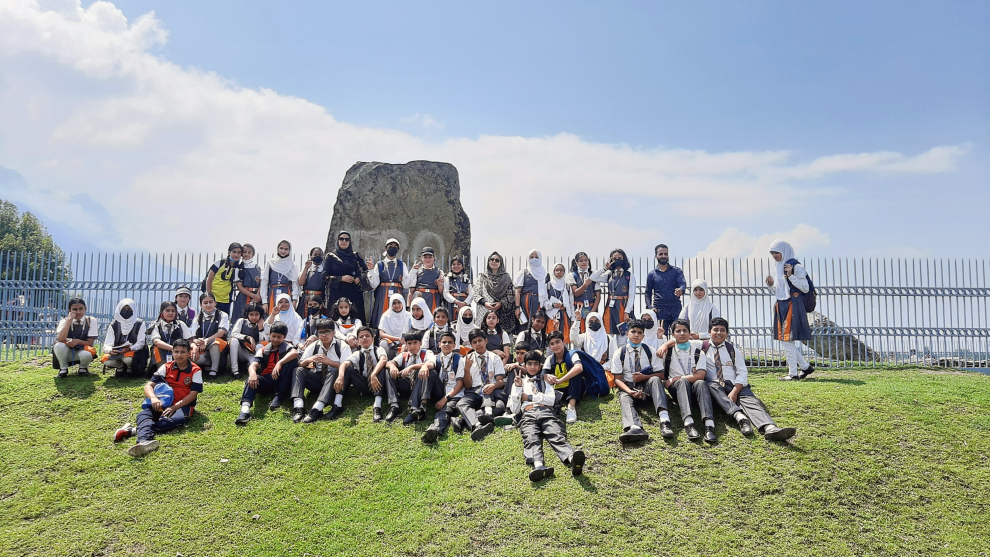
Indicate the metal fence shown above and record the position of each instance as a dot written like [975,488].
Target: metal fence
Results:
[871,311]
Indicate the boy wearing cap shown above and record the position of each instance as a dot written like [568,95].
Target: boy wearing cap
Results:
[186,380]
[389,276]
[427,281]
[534,397]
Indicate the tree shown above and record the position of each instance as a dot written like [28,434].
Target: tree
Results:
[28,252]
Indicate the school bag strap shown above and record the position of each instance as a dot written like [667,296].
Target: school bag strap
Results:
[810,298]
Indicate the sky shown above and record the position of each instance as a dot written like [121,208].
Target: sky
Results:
[849,128]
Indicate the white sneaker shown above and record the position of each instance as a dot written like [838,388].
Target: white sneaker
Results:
[143,448]
[571,415]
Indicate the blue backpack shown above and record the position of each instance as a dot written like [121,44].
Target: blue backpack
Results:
[810,298]
[595,381]
[164,393]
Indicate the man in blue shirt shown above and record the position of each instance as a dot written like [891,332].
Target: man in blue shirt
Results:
[664,287]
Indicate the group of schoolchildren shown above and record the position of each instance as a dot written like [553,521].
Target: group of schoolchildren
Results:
[537,345]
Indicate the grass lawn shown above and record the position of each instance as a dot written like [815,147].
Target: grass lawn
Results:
[886,462]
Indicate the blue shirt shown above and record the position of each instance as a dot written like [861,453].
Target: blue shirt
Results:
[660,288]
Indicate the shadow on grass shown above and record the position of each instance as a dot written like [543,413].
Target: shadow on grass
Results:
[75,386]
[814,379]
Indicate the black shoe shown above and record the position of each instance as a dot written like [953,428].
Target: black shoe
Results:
[335,412]
[692,432]
[666,431]
[745,427]
[486,418]
[393,413]
[276,404]
[710,435]
[774,433]
[430,436]
[242,418]
[458,424]
[212,375]
[235,374]
[82,372]
[377,415]
[314,415]
[540,473]
[577,463]
[807,372]
[633,435]
[790,378]
[297,414]
[411,417]
[481,430]
[62,374]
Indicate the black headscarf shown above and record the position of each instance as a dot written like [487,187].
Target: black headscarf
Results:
[347,255]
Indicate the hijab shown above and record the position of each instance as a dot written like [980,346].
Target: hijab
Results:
[284,265]
[464,329]
[782,290]
[125,324]
[558,283]
[393,322]
[539,272]
[650,334]
[499,283]
[698,310]
[347,255]
[289,316]
[596,342]
[424,322]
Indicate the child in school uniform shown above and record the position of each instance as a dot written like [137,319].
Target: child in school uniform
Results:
[499,341]
[280,276]
[653,330]
[402,371]
[283,311]
[699,310]
[271,371]
[790,318]
[535,335]
[186,380]
[315,371]
[247,283]
[621,301]
[594,342]
[210,332]
[347,324]
[534,398]
[457,289]
[531,288]
[184,312]
[74,339]
[365,370]
[560,303]
[314,313]
[636,378]
[441,381]
[250,332]
[428,281]
[388,276]
[310,280]
[465,326]
[484,377]
[124,345]
[586,292]
[441,325]
[566,374]
[394,323]
[420,317]
[164,332]
[222,276]
[685,381]
[513,369]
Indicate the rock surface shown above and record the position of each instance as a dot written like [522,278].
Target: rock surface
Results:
[417,203]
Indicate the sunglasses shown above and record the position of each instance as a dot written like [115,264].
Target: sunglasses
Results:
[343,239]
[495,259]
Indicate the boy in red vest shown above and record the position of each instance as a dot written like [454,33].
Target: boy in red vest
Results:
[186,380]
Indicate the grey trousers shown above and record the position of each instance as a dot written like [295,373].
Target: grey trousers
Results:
[424,391]
[442,418]
[396,388]
[542,424]
[748,404]
[653,387]
[354,377]
[314,381]
[684,392]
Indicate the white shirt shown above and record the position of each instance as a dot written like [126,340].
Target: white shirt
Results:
[682,362]
[237,332]
[604,275]
[494,367]
[733,371]
[224,321]
[405,359]
[375,354]
[109,342]
[317,348]
[407,279]
[628,367]
[446,365]
[545,397]
[156,334]
[94,326]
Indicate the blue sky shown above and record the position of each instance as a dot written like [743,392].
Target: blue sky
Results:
[811,81]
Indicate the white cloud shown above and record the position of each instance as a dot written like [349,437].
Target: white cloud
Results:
[424,120]
[734,243]
[89,107]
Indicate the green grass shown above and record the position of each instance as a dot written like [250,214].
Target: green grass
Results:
[885,463]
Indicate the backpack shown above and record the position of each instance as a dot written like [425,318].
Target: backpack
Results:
[809,298]
[705,345]
[595,381]
[649,356]
[669,356]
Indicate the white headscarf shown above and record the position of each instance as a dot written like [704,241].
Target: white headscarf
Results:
[290,318]
[424,322]
[249,263]
[125,324]
[539,273]
[596,342]
[699,310]
[779,282]
[650,334]
[464,329]
[395,323]
[284,265]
